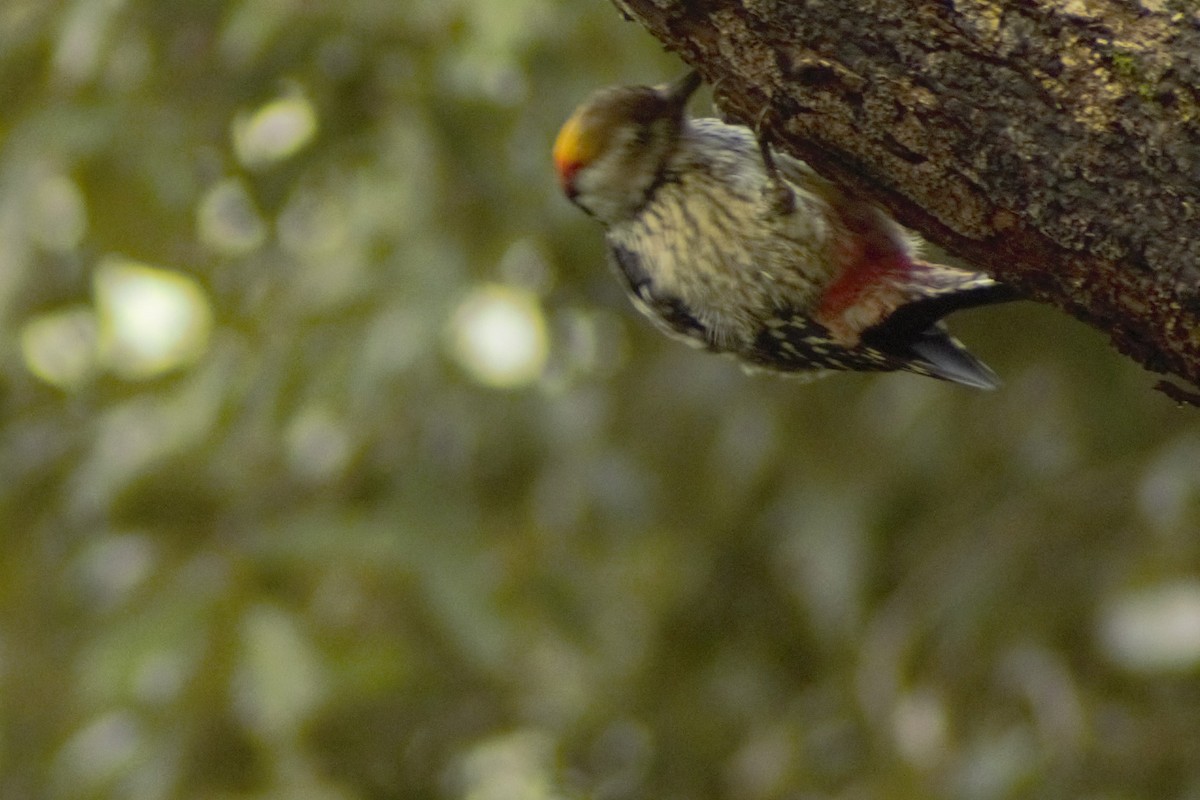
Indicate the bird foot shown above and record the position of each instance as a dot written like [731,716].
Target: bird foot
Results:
[780,196]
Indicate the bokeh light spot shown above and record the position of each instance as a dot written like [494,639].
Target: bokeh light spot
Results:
[281,680]
[112,567]
[151,320]
[274,132]
[228,221]
[499,336]
[96,753]
[1155,629]
[60,347]
[318,444]
[516,764]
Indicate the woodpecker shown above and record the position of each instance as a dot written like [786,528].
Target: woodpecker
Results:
[740,250]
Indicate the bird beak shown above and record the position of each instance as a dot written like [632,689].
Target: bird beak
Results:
[678,92]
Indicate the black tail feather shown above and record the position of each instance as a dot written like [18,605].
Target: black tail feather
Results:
[916,316]
[944,357]
[915,334]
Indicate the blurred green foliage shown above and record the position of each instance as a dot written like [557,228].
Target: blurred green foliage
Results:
[329,555]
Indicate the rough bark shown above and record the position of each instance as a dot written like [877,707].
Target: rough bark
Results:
[1054,143]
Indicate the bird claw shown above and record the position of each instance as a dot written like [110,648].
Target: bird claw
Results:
[780,196]
[717,111]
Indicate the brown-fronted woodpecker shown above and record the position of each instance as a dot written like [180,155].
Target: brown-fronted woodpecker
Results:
[740,250]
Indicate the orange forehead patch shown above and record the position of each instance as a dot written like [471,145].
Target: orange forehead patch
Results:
[573,147]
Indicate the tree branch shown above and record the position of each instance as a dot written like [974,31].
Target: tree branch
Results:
[1054,144]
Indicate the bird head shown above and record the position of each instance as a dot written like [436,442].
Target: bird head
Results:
[613,148]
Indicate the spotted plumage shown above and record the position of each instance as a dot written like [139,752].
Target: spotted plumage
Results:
[743,251]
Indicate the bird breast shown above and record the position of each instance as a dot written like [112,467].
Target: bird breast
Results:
[710,241]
